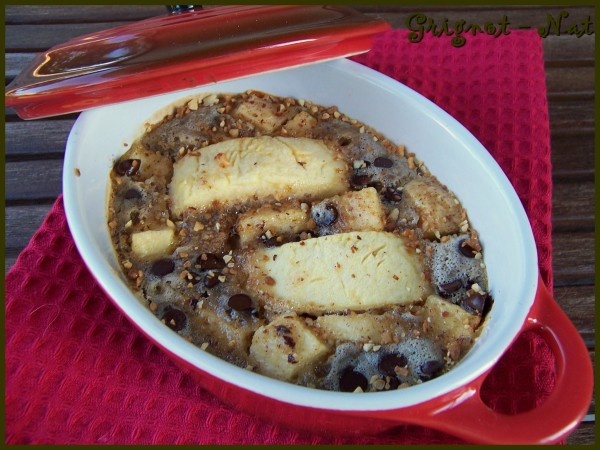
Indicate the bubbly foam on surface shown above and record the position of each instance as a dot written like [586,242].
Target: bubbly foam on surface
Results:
[417,352]
[448,264]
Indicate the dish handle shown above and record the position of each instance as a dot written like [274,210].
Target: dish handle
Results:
[471,419]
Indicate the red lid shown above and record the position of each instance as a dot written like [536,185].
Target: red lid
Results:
[179,51]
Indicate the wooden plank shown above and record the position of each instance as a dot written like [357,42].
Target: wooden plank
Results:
[573,224]
[11,116]
[561,49]
[29,181]
[570,79]
[577,302]
[585,434]
[573,199]
[9,260]
[534,16]
[566,132]
[592,408]
[41,138]
[90,13]
[14,63]
[22,222]
[573,206]
[572,109]
[572,153]
[62,23]
[573,176]
[573,259]
[38,38]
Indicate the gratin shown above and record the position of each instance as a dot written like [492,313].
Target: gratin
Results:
[297,242]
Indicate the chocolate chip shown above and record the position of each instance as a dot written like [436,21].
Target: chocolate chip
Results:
[389,362]
[394,383]
[393,194]
[350,380]
[360,181]
[489,302]
[475,303]
[289,341]
[210,261]
[194,303]
[429,369]
[174,318]
[234,241]
[324,215]
[292,359]
[240,302]
[211,281]
[131,194]
[162,267]
[447,289]
[465,249]
[128,167]
[382,162]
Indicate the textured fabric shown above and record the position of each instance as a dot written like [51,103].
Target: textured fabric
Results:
[77,372]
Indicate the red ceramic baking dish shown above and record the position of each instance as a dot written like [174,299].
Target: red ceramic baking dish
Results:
[451,402]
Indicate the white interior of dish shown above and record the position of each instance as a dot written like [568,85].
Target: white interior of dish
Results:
[446,147]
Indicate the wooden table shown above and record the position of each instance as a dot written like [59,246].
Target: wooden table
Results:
[34,150]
